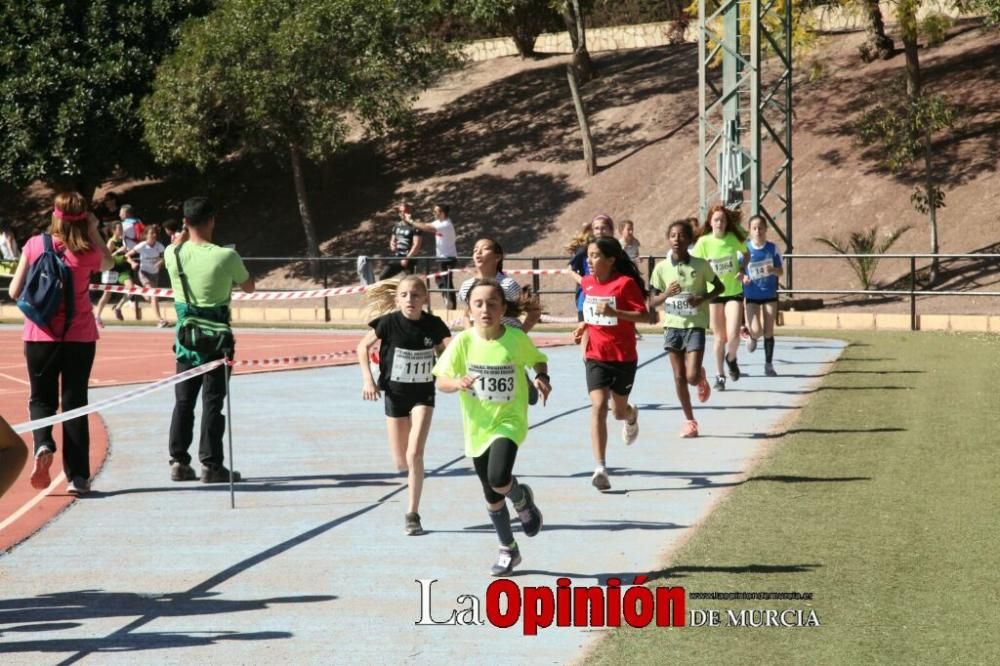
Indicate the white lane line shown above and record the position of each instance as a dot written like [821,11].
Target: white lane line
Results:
[15,379]
[61,478]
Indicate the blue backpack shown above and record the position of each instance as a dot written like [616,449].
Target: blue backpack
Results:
[49,284]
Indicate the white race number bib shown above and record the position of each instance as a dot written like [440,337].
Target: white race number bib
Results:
[590,315]
[722,266]
[412,366]
[494,383]
[757,270]
[680,305]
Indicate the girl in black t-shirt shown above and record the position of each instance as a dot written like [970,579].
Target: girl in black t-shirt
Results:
[409,340]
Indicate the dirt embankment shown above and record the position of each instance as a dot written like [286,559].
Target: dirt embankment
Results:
[499,142]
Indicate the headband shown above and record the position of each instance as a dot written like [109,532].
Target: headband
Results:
[602,216]
[69,217]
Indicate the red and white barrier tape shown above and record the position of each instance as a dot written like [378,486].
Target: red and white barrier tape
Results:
[122,398]
[117,399]
[549,319]
[514,271]
[239,295]
[160,292]
[289,360]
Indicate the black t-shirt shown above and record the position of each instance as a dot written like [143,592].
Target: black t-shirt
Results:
[404,234]
[416,341]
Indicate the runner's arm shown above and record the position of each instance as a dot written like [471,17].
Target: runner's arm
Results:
[13,455]
[369,390]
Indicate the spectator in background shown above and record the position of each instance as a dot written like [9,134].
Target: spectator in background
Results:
[119,274]
[601,226]
[210,272]
[133,230]
[404,243]
[444,245]
[10,251]
[630,244]
[150,255]
[107,213]
[60,357]
[175,231]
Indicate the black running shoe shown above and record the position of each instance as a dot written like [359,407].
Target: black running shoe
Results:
[734,369]
[531,517]
[413,526]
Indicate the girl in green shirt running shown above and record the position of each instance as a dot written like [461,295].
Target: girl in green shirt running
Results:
[486,363]
[723,244]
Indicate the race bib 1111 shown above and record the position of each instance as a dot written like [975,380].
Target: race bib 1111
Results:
[412,366]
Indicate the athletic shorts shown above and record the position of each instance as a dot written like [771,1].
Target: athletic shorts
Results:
[149,280]
[738,298]
[615,375]
[762,301]
[684,339]
[399,404]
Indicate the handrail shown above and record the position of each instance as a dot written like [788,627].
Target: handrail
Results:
[424,262]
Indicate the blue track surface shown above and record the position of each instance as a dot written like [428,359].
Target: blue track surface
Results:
[313,565]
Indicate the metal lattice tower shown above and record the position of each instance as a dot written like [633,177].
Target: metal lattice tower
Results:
[745,126]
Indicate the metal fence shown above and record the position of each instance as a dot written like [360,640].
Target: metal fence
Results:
[290,273]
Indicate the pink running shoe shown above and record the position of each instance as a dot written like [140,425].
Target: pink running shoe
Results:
[704,390]
[690,429]
[40,474]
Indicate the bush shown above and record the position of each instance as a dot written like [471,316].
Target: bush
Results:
[864,242]
[934,28]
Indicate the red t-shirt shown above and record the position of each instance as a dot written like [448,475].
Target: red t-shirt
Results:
[83,328]
[611,338]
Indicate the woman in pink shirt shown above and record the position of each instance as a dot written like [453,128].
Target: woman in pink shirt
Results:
[69,357]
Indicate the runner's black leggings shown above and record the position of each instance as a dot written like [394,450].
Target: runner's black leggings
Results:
[495,467]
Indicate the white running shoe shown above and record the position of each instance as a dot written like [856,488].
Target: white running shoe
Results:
[600,479]
[630,431]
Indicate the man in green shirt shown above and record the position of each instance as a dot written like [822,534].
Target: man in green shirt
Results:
[211,272]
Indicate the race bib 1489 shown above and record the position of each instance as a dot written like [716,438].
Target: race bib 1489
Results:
[680,305]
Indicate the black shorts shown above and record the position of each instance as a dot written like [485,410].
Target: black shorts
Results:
[615,375]
[762,301]
[725,299]
[401,403]
[684,339]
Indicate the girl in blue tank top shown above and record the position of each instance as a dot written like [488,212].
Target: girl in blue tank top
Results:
[760,289]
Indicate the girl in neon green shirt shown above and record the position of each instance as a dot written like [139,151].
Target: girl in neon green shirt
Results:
[486,363]
[725,249]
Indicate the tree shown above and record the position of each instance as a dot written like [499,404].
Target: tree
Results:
[903,119]
[573,13]
[290,78]
[71,77]
[522,20]
[878,44]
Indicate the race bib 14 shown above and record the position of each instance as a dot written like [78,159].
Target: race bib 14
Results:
[590,315]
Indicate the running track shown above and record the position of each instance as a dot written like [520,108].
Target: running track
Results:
[124,356]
